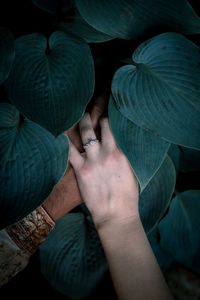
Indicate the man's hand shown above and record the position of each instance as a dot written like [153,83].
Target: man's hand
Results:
[65,195]
[97,110]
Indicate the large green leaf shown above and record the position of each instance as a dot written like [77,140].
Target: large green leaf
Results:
[161,91]
[7,53]
[72,258]
[164,259]
[129,19]
[51,82]
[144,149]
[31,162]
[179,229]
[156,197]
[77,26]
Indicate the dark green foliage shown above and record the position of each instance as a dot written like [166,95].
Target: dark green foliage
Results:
[144,149]
[129,19]
[179,230]
[164,259]
[78,27]
[51,76]
[44,78]
[72,258]
[31,163]
[156,197]
[160,91]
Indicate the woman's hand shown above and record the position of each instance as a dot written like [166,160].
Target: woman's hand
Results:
[105,178]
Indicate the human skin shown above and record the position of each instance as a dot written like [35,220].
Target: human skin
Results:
[100,175]
[109,189]
[66,195]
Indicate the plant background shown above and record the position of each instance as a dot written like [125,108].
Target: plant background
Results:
[22,17]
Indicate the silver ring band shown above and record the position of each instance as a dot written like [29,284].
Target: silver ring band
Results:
[90,142]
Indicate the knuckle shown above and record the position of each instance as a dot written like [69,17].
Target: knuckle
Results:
[110,157]
[115,155]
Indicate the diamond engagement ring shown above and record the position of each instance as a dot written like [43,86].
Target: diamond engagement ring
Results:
[90,142]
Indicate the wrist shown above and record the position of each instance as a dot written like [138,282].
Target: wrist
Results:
[64,197]
[116,223]
[119,233]
[49,207]
[116,211]
[32,230]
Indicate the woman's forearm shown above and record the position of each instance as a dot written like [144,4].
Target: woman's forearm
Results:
[133,267]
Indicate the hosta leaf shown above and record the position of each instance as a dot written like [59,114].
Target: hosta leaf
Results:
[129,19]
[161,91]
[179,229]
[51,82]
[156,197]
[77,26]
[164,259]
[31,162]
[7,53]
[72,258]
[144,149]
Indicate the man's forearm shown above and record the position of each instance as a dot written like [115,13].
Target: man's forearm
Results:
[20,240]
[134,269]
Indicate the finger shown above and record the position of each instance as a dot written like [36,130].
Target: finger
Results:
[75,158]
[87,134]
[107,138]
[98,109]
[74,135]
[86,129]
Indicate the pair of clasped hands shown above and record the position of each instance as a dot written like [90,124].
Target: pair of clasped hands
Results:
[100,176]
